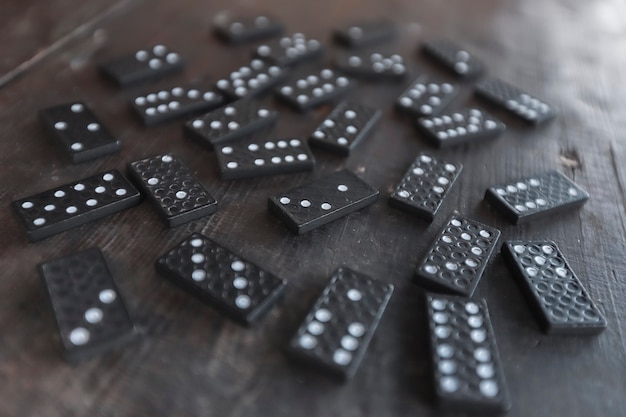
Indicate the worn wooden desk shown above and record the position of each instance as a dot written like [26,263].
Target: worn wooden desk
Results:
[191,361]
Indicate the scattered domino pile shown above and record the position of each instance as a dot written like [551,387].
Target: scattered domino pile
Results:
[90,311]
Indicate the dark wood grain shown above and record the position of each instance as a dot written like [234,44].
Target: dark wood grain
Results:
[191,361]
[32,32]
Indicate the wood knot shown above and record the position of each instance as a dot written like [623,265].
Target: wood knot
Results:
[569,158]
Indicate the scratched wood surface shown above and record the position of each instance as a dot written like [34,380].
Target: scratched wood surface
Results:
[191,361]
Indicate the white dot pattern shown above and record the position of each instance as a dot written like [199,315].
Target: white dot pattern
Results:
[465,358]
[71,200]
[315,90]
[455,58]
[516,101]
[85,301]
[144,64]
[426,96]
[164,105]
[176,193]
[79,132]
[345,127]
[239,288]
[252,79]
[374,65]
[457,258]
[289,50]
[241,160]
[466,126]
[336,330]
[553,287]
[227,123]
[328,198]
[531,197]
[425,185]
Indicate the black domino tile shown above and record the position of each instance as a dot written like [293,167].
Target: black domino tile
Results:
[90,313]
[458,257]
[515,101]
[467,370]
[173,190]
[467,126]
[339,327]
[531,198]
[142,66]
[252,80]
[559,300]
[245,29]
[290,50]
[255,157]
[455,58]
[315,90]
[78,132]
[322,201]
[365,33]
[345,127]
[424,186]
[71,205]
[236,287]
[426,96]
[168,104]
[229,123]
[373,66]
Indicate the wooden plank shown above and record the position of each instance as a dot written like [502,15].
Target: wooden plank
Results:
[30,34]
[191,361]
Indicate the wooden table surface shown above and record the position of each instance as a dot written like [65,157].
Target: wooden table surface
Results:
[191,361]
